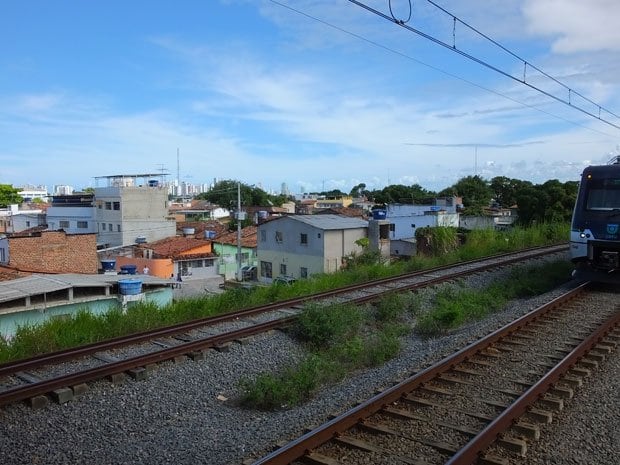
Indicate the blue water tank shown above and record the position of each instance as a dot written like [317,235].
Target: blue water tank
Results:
[209,234]
[379,214]
[128,269]
[108,264]
[129,286]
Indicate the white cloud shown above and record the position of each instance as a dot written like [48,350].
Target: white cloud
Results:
[577,26]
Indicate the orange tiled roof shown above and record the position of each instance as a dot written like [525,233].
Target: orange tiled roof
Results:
[248,237]
[174,246]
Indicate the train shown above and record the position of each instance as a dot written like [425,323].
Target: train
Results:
[595,226]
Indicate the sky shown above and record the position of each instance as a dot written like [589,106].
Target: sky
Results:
[316,94]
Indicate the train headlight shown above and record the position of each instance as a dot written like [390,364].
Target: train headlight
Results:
[582,235]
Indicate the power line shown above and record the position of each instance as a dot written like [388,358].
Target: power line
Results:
[492,67]
[435,68]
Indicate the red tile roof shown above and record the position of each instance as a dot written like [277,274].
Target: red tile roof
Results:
[173,247]
[248,237]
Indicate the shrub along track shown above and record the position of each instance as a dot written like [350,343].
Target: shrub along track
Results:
[494,393]
[63,374]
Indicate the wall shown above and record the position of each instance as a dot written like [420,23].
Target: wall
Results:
[54,252]
[73,215]
[160,267]
[10,322]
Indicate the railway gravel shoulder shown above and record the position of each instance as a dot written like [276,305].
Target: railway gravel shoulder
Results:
[185,413]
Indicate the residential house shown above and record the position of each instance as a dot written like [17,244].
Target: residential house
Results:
[340,201]
[198,210]
[187,256]
[74,213]
[226,247]
[132,209]
[302,245]
[405,219]
[15,219]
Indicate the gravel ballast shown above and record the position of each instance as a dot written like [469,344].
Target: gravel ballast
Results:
[187,413]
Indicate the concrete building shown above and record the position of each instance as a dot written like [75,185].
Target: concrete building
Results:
[132,209]
[29,193]
[302,245]
[14,219]
[74,214]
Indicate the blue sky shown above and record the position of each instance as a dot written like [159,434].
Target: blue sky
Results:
[326,97]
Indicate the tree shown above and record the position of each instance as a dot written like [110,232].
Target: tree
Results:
[9,195]
[399,193]
[505,190]
[476,193]
[224,194]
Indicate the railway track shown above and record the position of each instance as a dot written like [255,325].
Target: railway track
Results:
[480,405]
[63,374]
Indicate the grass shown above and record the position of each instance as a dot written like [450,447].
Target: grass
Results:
[339,339]
[84,328]
[452,308]
[344,338]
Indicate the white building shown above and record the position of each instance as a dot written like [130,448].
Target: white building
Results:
[302,245]
[29,193]
[74,214]
[13,219]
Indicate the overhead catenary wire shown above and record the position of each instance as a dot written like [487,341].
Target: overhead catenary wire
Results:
[492,67]
[435,68]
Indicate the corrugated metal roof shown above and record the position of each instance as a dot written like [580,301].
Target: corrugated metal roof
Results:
[330,221]
[42,284]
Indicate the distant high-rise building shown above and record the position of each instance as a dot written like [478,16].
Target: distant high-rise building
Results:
[62,189]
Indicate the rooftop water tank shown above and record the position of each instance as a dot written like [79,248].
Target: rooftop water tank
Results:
[209,234]
[129,286]
[189,231]
[128,269]
[108,264]
[379,214]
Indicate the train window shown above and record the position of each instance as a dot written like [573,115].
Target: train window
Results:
[603,194]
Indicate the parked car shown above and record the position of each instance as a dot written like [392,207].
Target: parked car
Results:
[248,272]
[287,280]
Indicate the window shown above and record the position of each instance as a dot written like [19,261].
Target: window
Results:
[265,269]
[196,264]
[110,227]
[303,272]
[2,255]
[118,227]
[392,227]
[279,237]
[82,224]
[116,205]
[263,235]
[63,224]
[108,205]
[103,226]
[303,239]
[27,224]
[282,269]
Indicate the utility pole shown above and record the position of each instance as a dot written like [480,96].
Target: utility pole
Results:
[240,217]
